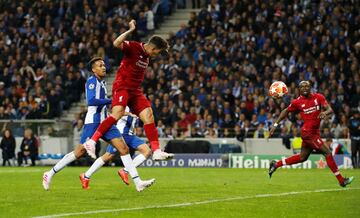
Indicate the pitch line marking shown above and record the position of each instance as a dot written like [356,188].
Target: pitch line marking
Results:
[21,171]
[196,203]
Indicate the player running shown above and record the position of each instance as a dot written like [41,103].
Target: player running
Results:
[126,126]
[97,111]
[310,106]
[126,89]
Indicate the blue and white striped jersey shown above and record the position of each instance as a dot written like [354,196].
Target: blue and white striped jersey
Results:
[96,100]
[127,124]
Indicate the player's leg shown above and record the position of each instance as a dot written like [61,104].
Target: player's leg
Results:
[120,145]
[358,153]
[332,165]
[79,151]
[141,107]
[297,158]
[68,158]
[85,177]
[354,153]
[119,102]
[138,144]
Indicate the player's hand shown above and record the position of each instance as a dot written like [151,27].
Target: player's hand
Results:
[132,25]
[322,115]
[272,130]
[133,115]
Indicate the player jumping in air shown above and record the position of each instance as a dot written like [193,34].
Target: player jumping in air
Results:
[310,105]
[97,111]
[126,90]
[126,126]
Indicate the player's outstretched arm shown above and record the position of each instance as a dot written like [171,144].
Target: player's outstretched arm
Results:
[282,116]
[120,39]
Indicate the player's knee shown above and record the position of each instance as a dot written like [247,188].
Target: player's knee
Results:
[148,116]
[79,152]
[117,112]
[303,157]
[124,150]
[147,153]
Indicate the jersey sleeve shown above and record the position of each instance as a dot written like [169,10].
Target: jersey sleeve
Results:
[127,47]
[91,95]
[293,106]
[322,100]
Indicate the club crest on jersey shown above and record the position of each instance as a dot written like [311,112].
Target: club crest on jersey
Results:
[91,86]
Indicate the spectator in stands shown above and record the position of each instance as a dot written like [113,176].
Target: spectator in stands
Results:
[7,146]
[3,114]
[261,132]
[28,149]
[354,126]
[44,47]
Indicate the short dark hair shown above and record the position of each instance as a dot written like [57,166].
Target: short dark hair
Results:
[159,42]
[92,62]
[304,81]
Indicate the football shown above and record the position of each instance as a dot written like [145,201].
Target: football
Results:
[278,89]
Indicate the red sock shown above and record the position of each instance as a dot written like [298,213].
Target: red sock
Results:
[104,126]
[152,134]
[288,161]
[332,165]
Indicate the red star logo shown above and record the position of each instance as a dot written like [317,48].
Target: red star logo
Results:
[321,164]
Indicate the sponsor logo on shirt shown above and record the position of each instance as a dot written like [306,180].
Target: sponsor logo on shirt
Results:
[310,110]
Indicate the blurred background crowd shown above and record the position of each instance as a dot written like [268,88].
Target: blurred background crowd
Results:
[213,83]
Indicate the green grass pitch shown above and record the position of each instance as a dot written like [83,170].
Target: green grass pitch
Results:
[180,192]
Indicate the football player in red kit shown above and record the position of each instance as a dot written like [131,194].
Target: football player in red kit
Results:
[312,107]
[127,91]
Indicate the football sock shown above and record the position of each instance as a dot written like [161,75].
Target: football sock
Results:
[332,165]
[138,160]
[288,161]
[152,134]
[129,165]
[104,126]
[68,158]
[94,167]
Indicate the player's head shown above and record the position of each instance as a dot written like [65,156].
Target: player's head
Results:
[157,45]
[305,88]
[97,66]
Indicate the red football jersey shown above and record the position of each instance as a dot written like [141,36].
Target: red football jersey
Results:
[309,109]
[131,71]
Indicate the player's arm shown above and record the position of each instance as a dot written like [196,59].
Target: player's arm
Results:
[284,113]
[118,42]
[91,96]
[328,110]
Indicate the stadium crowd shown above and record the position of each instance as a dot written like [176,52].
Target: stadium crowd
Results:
[213,83]
[45,45]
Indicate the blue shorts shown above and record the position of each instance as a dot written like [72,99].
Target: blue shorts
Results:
[89,130]
[130,140]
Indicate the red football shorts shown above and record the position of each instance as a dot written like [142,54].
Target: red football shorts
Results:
[134,99]
[312,139]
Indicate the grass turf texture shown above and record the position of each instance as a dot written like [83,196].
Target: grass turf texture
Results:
[22,195]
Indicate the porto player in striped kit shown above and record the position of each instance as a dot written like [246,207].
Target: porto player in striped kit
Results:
[312,107]
[126,125]
[97,111]
[126,89]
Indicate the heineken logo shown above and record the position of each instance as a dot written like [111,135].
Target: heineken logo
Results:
[263,161]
